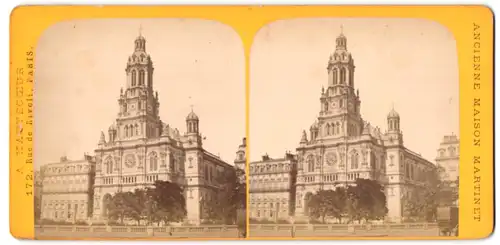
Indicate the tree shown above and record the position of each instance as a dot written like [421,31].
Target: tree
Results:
[423,200]
[339,203]
[166,202]
[321,204]
[38,208]
[118,207]
[366,201]
[223,206]
[328,203]
[137,201]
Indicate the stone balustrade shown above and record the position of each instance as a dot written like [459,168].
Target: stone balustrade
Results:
[331,230]
[229,231]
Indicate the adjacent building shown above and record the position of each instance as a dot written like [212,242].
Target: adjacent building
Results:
[272,188]
[448,155]
[448,158]
[341,146]
[67,189]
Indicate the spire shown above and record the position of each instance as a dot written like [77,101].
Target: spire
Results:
[341,39]
[140,42]
[393,113]
[102,140]
[303,140]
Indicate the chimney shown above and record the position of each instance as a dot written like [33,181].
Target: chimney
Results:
[266,157]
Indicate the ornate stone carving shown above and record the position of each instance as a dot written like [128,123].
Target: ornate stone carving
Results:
[163,160]
[141,160]
[165,130]
[117,162]
[96,202]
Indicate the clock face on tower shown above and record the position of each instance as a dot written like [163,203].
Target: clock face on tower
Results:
[130,161]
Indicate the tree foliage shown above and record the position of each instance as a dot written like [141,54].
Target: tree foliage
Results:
[225,207]
[164,202]
[422,201]
[363,201]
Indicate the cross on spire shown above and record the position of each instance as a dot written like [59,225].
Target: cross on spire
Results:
[140,30]
[341,29]
[191,104]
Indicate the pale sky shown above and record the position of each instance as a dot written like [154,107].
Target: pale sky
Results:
[80,68]
[409,62]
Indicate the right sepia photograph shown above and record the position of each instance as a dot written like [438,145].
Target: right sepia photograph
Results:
[354,129]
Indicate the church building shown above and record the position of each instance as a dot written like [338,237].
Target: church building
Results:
[341,147]
[139,148]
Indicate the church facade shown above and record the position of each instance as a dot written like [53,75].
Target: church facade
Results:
[141,148]
[341,146]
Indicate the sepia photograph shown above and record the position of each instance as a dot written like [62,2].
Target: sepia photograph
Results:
[140,130]
[354,129]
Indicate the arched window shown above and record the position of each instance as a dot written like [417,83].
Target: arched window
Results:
[342,75]
[141,77]
[136,129]
[338,127]
[310,163]
[126,130]
[344,79]
[153,161]
[335,75]
[452,151]
[351,78]
[134,78]
[327,129]
[109,165]
[172,163]
[326,106]
[354,160]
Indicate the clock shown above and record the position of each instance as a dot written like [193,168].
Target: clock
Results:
[331,159]
[334,105]
[130,161]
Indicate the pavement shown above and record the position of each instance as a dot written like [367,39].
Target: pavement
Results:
[253,233]
[79,235]
[371,233]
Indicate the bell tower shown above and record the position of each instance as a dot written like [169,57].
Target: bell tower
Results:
[340,103]
[139,107]
[395,136]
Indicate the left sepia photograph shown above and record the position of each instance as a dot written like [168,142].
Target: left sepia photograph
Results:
[139,130]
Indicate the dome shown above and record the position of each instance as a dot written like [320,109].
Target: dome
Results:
[314,125]
[393,114]
[140,37]
[192,116]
